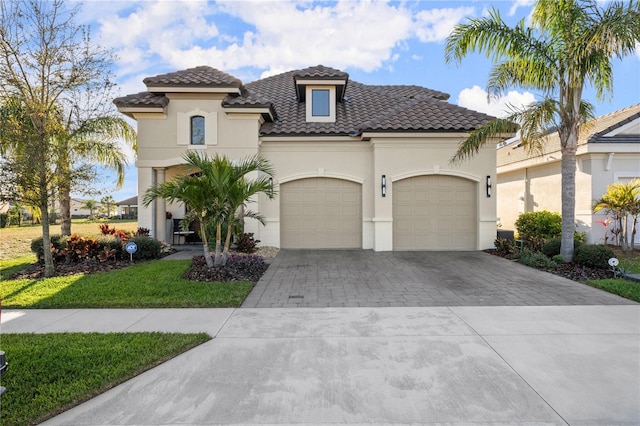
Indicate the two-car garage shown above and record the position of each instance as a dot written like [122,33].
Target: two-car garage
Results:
[431,212]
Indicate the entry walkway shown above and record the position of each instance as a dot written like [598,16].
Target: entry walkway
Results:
[342,278]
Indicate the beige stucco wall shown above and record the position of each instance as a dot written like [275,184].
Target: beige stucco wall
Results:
[362,160]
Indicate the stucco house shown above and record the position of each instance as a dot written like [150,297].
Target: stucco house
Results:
[608,152]
[357,166]
[128,208]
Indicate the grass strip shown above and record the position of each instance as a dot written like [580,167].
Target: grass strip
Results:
[50,373]
[154,284]
[625,288]
[9,267]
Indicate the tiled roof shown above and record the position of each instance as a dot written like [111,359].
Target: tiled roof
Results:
[132,201]
[593,132]
[202,76]
[142,99]
[365,108]
[320,72]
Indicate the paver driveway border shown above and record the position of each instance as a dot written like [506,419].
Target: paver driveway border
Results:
[364,278]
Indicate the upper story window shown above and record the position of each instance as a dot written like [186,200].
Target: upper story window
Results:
[197,130]
[321,104]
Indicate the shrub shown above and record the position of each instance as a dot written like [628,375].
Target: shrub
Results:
[594,256]
[238,268]
[4,220]
[80,248]
[552,247]
[246,243]
[106,230]
[538,260]
[113,244]
[533,226]
[143,232]
[148,248]
[505,247]
[558,259]
[58,242]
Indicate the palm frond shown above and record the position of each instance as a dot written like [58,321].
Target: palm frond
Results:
[478,138]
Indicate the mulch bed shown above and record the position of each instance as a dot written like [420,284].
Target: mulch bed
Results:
[36,270]
[574,272]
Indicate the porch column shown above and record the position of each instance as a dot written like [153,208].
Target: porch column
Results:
[161,208]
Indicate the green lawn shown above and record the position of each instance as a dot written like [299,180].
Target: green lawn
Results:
[50,373]
[624,288]
[154,284]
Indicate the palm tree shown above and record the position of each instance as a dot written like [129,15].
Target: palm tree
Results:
[108,202]
[90,205]
[95,140]
[208,192]
[243,190]
[570,44]
[622,200]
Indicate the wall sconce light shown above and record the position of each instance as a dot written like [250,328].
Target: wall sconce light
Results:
[271,185]
[383,187]
[488,186]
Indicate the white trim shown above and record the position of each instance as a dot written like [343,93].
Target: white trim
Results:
[623,128]
[331,118]
[324,174]
[142,109]
[427,172]
[321,82]
[632,175]
[183,135]
[171,89]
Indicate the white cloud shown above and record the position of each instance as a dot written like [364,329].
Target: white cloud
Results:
[271,36]
[519,3]
[437,24]
[475,98]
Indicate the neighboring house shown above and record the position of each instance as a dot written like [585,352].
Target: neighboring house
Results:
[608,152]
[357,166]
[78,210]
[128,209]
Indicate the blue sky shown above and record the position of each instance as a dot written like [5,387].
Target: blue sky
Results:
[376,42]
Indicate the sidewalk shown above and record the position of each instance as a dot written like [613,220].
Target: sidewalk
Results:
[553,365]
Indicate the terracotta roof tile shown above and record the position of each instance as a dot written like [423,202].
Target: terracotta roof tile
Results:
[202,76]
[320,72]
[142,99]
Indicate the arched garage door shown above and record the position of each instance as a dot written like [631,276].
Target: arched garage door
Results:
[434,212]
[320,213]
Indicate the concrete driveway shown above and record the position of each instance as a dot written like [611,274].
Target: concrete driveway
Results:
[364,278]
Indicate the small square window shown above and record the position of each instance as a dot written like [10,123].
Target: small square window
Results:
[197,130]
[320,106]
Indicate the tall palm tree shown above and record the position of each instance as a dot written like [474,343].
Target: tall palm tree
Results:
[208,189]
[571,43]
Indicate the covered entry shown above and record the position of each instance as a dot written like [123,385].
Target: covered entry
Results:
[320,213]
[435,212]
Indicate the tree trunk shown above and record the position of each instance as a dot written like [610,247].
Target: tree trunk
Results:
[205,246]
[227,243]
[218,259]
[49,269]
[65,208]
[633,232]
[568,166]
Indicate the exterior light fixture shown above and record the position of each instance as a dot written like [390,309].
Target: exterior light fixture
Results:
[383,187]
[488,186]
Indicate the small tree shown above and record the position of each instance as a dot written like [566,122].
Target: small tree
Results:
[108,202]
[622,201]
[90,205]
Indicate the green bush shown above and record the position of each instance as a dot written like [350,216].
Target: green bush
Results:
[505,247]
[58,242]
[113,244]
[594,256]
[538,260]
[148,248]
[558,259]
[535,226]
[552,247]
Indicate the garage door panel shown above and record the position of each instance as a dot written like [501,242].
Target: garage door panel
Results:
[434,213]
[321,213]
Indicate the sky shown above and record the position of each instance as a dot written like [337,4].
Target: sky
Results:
[376,42]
